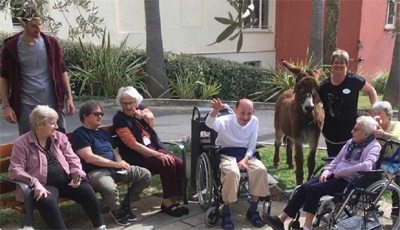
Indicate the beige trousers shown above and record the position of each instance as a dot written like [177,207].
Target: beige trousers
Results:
[230,177]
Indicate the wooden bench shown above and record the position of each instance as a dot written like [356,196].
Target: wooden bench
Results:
[7,186]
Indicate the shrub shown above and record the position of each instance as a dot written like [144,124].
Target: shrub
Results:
[92,71]
[283,79]
[379,82]
[100,71]
[236,80]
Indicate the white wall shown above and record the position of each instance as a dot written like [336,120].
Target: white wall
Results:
[188,26]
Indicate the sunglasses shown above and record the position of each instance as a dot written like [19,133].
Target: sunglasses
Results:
[97,114]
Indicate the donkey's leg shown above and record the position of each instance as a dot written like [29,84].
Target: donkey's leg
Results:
[313,150]
[299,159]
[289,154]
[278,142]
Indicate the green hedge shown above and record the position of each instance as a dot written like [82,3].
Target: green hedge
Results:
[237,80]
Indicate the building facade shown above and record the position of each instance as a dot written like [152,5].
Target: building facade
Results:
[188,26]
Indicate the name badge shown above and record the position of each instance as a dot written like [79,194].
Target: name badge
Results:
[146,141]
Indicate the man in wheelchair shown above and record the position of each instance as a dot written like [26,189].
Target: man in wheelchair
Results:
[360,153]
[237,137]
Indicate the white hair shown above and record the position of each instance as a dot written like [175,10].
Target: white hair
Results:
[41,114]
[368,124]
[384,106]
[130,91]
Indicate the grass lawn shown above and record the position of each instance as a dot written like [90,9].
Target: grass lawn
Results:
[363,101]
[285,176]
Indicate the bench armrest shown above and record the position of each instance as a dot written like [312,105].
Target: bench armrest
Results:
[180,147]
[27,192]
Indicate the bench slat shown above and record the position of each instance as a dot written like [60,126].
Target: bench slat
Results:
[4,163]
[6,187]
[5,150]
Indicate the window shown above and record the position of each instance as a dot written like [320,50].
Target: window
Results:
[391,14]
[261,14]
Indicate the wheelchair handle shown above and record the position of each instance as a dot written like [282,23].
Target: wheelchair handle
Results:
[201,112]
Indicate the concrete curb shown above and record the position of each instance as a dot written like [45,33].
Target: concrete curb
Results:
[185,104]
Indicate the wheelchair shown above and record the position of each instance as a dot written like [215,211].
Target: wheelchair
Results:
[370,201]
[208,183]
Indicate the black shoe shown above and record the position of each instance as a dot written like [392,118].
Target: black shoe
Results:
[183,209]
[131,217]
[274,222]
[172,210]
[120,217]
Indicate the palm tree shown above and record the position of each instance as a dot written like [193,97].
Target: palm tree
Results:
[331,20]
[157,82]
[392,88]
[316,47]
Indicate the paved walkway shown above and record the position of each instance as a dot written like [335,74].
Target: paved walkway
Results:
[152,218]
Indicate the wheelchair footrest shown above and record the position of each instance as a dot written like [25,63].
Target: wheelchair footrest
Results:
[356,223]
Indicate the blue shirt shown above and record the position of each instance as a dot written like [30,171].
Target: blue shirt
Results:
[99,140]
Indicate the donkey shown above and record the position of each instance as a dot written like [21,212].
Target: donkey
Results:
[299,116]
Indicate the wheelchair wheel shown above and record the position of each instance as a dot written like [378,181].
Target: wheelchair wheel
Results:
[386,209]
[204,181]
[211,216]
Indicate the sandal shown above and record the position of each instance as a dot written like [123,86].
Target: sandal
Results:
[255,219]
[172,210]
[227,223]
[183,209]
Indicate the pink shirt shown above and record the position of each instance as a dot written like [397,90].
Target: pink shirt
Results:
[28,161]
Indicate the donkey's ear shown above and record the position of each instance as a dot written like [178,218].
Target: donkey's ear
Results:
[314,73]
[294,69]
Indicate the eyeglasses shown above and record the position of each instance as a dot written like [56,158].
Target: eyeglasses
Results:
[97,114]
[130,103]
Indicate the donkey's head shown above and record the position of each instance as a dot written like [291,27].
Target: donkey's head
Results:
[306,87]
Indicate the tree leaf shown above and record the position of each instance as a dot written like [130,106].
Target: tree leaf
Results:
[225,21]
[226,33]
[240,42]
[234,36]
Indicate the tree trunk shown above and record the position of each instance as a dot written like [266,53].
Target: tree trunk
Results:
[331,21]
[316,42]
[156,81]
[392,87]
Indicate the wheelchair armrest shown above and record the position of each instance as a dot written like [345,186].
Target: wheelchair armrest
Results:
[211,147]
[372,172]
[260,145]
[328,159]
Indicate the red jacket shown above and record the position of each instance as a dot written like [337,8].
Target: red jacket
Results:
[9,69]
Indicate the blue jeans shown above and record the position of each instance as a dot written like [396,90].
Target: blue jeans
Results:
[24,124]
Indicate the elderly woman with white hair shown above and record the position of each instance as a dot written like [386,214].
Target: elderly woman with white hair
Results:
[43,159]
[387,129]
[360,153]
[139,145]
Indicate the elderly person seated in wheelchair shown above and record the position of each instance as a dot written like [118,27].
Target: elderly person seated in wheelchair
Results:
[237,136]
[140,145]
[360,153]
[387,130]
